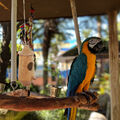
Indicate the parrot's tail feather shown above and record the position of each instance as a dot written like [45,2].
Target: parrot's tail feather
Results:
[72,113]
[68,113]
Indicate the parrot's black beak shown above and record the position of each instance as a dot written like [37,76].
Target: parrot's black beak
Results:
[98,48]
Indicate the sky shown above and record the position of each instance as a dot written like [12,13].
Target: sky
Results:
[1,31]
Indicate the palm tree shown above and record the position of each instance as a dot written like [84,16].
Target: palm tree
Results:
[51,29]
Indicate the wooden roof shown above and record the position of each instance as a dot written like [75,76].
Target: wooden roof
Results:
[58,8]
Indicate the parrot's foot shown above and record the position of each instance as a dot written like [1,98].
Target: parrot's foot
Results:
[86,96]
[91,94]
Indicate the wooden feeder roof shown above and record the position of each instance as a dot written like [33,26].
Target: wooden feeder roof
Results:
[58,8]
[26,51]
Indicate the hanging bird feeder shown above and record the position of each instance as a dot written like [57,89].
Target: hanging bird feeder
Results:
[26,56]
[26,66]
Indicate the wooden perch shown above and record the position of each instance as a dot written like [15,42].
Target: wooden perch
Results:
[33,104]
[23,92]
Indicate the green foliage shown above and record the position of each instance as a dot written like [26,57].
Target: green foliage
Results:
[19,115]
[20,86]
[104,84]
[118,30]
[32,116]
[83,114]
[86,33]
[52,114]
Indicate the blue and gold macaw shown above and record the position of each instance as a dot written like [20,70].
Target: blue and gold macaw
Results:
[83,70]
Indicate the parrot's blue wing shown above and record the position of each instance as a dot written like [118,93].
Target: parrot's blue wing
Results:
[77,74]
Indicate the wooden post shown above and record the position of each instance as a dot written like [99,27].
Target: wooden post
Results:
[13,40]
[114,63]
[74,14]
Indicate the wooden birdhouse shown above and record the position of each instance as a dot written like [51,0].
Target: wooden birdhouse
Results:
[26,66]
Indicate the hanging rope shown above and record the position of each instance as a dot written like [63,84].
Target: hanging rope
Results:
[13,44]
[74,14]
[24,22]
[30,23]
[25,31]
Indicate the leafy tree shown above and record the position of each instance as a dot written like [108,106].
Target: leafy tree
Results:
[5,50]
[94,24]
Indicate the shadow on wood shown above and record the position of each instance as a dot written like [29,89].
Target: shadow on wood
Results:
[83,101]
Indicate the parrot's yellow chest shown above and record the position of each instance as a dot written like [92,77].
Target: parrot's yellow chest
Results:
[91,61]
[91,67]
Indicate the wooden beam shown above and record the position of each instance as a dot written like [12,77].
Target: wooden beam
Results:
[33,104]
[74,14]
[114,69]
[1,4]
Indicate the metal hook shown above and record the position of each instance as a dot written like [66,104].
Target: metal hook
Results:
[14,85]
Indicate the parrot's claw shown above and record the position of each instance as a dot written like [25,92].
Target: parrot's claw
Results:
[86,96]
[91,94]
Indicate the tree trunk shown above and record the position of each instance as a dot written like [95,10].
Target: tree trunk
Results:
[99,22]
[5,51]
[46,46]
[99,30]
[50,28]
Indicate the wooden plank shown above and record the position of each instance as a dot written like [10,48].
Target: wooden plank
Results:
[114,62]
[33,104]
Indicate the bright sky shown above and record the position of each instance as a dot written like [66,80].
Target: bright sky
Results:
[1,33]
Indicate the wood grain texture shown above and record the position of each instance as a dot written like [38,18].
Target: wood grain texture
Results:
[33,104]
[114,65]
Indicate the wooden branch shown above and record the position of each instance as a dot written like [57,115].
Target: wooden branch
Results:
[33,104]
[23,92]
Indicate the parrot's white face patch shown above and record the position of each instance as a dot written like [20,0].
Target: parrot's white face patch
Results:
[94,41]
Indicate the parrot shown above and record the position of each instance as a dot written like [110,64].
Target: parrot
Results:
[82,70]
